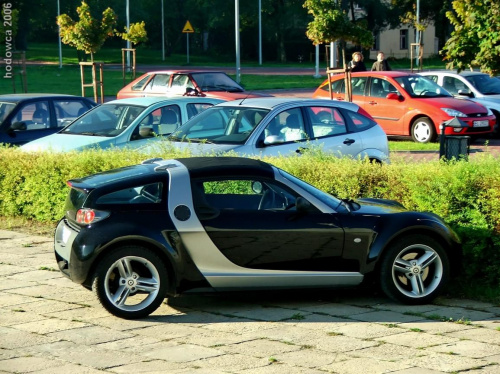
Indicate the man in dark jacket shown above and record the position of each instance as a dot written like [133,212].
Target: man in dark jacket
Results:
[381,63]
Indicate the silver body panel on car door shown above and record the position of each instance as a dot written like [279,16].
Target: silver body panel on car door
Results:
[214,266]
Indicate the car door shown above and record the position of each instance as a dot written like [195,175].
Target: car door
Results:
[29,121]
[387,110]
[255,224]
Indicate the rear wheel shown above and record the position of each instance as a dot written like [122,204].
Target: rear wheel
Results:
[423,130]
[131,282]
[414,270]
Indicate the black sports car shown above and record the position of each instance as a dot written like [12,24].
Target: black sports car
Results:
[139,233]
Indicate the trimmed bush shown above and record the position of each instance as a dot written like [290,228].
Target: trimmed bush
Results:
[465,194]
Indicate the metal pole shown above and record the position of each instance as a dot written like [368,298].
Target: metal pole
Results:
[260,32]
[162,33]
[333,55]
[317,62]
[187,46]
[237,31]
[128,28]
[59,32]
[417,36]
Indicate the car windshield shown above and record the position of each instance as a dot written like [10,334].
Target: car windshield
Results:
[221,125]
[485,84]
[107,120]
[5,109]
[324,197]
[419,87]
[216,82]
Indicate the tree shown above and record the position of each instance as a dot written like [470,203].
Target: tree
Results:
[331,23]
[476,38]
[88,34]
[135,34]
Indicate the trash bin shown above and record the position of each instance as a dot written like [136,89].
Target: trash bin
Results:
[457,147]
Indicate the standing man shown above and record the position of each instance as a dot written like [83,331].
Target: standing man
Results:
[381,63]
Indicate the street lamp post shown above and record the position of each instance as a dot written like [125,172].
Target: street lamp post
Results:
[237,31]
[162,33]
[260,32]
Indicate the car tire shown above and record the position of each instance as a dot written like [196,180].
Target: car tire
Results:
[423,130]
[130,282]
[414,270]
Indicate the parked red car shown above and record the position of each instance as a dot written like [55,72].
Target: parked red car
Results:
[408,104]
[214,84]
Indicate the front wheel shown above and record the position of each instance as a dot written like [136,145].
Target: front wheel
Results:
[131,282]
[414,270]
[423,130]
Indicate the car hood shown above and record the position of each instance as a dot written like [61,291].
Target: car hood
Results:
[489,100]
[379,206]
[464,106]
[66,143]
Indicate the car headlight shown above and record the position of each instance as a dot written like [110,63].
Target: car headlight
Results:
[489,112]
[453,112]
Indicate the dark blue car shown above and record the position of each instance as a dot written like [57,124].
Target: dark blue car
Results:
[26,117]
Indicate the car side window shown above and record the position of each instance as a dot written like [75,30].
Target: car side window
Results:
[326,121]
[162,121]
[381,88]
[453,85]
[68,110]
[159,83]
[139,85]
[358,85]
[144,194]
[359,121]
[32,116]
[196,108]
[288,126]
[237,194]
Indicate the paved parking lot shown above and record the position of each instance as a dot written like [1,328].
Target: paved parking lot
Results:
[50,325]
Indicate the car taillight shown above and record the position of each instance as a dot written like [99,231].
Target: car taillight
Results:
[88,216]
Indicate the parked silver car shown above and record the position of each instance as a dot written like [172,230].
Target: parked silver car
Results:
[283,126]
[476,86]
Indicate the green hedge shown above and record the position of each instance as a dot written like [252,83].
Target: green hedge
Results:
[465,194]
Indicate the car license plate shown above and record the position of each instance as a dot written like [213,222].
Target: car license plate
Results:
[482,123]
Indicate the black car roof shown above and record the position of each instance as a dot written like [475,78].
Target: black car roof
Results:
[198,167]
[226,166]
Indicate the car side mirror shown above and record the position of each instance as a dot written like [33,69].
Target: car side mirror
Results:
[146,132]
[19,126]
[302,205]
[190,91]
[465,93]
[393,96]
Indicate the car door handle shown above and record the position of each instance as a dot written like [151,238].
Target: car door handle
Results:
[339,98]
[349,141]
[301,150]
[372,102]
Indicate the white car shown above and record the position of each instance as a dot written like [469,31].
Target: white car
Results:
[476,86]
[283,126]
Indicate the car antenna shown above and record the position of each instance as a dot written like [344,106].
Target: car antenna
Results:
[246,97]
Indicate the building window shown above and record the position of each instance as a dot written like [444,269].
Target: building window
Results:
[403,39]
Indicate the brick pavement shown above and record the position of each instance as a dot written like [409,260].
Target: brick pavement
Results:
[50,325]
